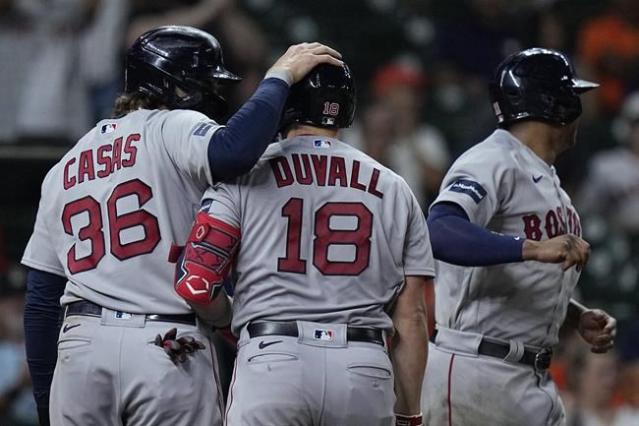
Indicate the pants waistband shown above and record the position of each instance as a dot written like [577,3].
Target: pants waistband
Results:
[90,309]
[353,334]
[511,351]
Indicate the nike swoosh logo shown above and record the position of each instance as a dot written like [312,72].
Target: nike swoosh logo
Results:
[264,344]
[68,327]
[537,179]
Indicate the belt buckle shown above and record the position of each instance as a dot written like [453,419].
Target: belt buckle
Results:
[542,359]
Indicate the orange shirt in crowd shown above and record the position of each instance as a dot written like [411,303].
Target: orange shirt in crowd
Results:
[609,37]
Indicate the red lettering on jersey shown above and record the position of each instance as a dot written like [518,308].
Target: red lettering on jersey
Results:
[372,186]
[117,155]
[562,221]
[337,171]
[552,224]
[130,149]
[104,160]
[355,177]
[85,166]
[281,171]
[306,177]
[532,228]
[69,181]
[319,165]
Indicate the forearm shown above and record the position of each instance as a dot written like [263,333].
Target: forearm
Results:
[573,314]
[409,353]
[235,148]
[456,240]
[41,326]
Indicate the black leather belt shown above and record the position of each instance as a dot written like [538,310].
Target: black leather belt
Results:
[539,360]
[353,334]
[90,309]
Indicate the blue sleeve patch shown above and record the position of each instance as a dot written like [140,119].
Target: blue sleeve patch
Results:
[469,187]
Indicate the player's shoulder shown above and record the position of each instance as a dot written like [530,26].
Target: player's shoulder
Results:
[495,151]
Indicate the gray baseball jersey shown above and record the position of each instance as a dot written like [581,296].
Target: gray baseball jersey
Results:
[113,205]
[503,186]
[328,235]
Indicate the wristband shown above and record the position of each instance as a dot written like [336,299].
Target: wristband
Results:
[412,420]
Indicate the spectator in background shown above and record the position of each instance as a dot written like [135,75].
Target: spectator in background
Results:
[74,48]
[628,413]
[17,407]
[393,133]
[609,46]
[612,186]
[591,380]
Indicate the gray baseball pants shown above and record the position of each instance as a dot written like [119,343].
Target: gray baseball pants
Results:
[317,378]
[109,372]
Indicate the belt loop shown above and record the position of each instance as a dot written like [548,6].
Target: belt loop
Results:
[516,351]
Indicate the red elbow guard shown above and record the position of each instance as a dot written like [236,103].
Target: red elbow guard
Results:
[207,258]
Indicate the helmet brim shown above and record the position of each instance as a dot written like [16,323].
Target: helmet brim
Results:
[224,74]
[581,86]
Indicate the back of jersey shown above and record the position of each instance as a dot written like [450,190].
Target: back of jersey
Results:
[113,205]
[327,235]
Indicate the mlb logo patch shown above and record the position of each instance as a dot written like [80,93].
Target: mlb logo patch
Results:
[324,334]
[108,128]
[319,143]
[123,315]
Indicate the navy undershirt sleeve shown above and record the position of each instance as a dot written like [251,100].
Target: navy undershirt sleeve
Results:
[455,239]
[235,148]
[41,326]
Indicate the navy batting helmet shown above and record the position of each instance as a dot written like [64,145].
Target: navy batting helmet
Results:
[537,84]
[324,98]
[180,67]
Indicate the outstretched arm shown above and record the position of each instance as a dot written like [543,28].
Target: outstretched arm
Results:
[233,150]
[455,239]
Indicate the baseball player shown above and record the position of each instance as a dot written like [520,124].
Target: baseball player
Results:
[108,213]
[334,255]
[509,253]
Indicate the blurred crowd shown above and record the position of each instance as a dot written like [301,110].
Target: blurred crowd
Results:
[421,67]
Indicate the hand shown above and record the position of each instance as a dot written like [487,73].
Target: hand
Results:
[177,349]
[568,249]
[598,329]
[299,59]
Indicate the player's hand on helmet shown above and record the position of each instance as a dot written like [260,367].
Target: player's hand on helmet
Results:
[567,249]
[177,348]
[299,59]
[598,329]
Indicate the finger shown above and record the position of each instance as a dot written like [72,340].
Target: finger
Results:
[601,349]
[171,334]
[326,59]
[325,50]
[200,345]
[611,326]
